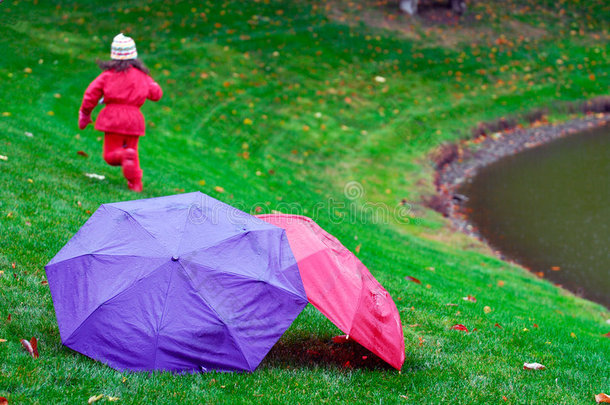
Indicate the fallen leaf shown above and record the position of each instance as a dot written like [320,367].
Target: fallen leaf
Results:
[95,398]
[469,298]
[29,134]
[533,366]
[607,335]
[380,79]
[82,153]
[44,282]
[219,189]
[459,326]
[202,182]
[3,401]
[112,399]
[572,334]
[2,157]
[451,305]
[486,309]
[497,325]
[555,268]
[599,398]
[409,278]
[358,248]
[31,346]
[95,176]
[340,338]
[3,340]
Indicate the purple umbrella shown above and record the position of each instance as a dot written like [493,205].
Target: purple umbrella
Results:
[183,282]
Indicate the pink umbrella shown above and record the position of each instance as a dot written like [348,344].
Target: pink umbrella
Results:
[343,289]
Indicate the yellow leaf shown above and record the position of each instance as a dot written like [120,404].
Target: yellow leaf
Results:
[487,309]
[95,398]
[202,182]
[248,121]
[27,70]
[219,189]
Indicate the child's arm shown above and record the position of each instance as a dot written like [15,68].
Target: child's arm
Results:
[154,90]
[92,95]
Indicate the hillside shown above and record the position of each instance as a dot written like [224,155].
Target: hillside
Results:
[303,107]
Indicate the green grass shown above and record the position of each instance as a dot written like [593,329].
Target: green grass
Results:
[278,63]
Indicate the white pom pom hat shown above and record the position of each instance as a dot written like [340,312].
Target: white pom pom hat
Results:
[123,48]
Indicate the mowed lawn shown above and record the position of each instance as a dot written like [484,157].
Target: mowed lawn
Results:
[307,107]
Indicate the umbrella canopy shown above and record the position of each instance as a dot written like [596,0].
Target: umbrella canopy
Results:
[343,289]
[183,282]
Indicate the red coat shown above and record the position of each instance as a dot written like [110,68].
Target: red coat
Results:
[124,93]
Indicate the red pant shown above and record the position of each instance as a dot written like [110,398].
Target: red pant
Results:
[122,150]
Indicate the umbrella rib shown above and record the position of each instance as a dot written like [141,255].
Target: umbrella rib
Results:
[247,278]
[171,277]
[110,299]
[360,299]
[217,242]
[103,254]
[143,228]
[241,350]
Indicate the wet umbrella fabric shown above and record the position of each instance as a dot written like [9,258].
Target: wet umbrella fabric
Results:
[343,289]
[182,282]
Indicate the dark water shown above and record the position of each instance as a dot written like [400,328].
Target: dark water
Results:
[549,207]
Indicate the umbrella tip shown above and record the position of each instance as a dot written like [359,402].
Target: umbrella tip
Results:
[175,258]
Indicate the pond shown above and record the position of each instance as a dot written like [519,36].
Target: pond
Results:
[548,208]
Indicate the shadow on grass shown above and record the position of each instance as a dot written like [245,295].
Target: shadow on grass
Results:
[310,352]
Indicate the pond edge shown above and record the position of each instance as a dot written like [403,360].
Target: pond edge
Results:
[490,149]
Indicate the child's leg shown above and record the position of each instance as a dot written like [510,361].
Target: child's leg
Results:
[131,163]
[113,148]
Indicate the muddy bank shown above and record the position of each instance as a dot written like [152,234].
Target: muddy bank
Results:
[475,154]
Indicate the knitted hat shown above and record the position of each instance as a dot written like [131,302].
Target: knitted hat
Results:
[123,48]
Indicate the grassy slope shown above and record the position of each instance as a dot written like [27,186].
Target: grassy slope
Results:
[218,66]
